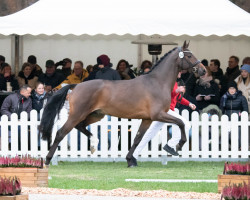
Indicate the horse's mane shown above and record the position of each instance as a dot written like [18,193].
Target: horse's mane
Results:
[159,61]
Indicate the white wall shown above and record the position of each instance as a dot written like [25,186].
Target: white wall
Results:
[5,48]
[84,48]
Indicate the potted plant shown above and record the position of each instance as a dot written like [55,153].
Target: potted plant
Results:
[234,173]
[236,192]
[10,188]
[28,169]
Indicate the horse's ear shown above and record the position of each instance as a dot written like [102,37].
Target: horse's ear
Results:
[185,45]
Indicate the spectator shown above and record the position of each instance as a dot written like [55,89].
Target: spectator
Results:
[35,68]
[206,91]
[26,77]
[7,76]
[189,80]
[107,73]
[233,101]
[78,75]
[210,110]
[66,67]
[218,76]
[2,60]
[125,70]
[39,97]
[51,78]
[92,74]
[90,68]
[246,60]
[105,69]
[233,70]
[17,102]
[243,82]
[205,62]
[145,67]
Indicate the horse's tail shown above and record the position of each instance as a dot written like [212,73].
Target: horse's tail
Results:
[52,108]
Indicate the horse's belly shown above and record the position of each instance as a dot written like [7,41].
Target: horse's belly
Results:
[132,114]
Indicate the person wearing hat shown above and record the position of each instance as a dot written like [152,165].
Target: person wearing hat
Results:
[50,78]
[233,101]
[36,70]
[105,72]
[105,69]
[243,82]
[66,64]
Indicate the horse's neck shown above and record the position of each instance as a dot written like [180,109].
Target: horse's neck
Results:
[166,72]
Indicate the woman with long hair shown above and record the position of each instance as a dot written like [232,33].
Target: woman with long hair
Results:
[243,82]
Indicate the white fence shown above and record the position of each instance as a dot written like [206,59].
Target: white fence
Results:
[123,131]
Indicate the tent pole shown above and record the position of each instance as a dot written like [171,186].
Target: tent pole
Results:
[17,54]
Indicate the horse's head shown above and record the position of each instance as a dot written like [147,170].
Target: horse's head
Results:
[186,60]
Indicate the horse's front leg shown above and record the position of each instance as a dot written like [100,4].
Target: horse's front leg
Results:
[145,124]
[60,134]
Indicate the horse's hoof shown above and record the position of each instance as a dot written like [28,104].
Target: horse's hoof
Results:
[92,149]
[93,144]
[46,166]
[132,162]
[170,150]
[178,147]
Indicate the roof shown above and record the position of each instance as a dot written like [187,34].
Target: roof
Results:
[148,17]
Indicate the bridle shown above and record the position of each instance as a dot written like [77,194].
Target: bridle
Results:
[182,57]
[191,65]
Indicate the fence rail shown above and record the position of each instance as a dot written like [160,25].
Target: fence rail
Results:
[209,139]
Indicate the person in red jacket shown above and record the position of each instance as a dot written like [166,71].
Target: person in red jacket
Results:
[156,125]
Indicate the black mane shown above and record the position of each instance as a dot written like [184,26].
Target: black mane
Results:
[159,61]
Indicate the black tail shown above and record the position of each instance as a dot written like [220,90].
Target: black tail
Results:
[52,108]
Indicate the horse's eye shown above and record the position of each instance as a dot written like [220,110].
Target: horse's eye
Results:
[189,56]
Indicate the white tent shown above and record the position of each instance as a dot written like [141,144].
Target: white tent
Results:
[163,17]
[82,29]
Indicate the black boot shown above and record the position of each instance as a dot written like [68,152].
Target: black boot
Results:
[170,150]
[131,162]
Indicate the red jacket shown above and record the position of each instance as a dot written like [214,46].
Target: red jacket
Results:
[174,97]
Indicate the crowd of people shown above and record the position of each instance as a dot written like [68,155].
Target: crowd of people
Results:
[228,91]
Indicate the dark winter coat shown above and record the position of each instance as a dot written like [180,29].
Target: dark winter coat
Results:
[16,103]
[54,80]
[13,82]
[213,90]
[107,73]
[39,101]
[236,103]
[232,74]
[220,79]
[189,81]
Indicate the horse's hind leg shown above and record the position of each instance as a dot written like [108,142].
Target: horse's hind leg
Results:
[60,134]
[145,124]
[179,137]
[90,119]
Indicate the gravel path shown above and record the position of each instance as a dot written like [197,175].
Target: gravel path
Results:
[120,192]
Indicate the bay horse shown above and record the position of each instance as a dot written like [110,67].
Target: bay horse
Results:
[146,97]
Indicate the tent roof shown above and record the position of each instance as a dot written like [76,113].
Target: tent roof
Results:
[149,17]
